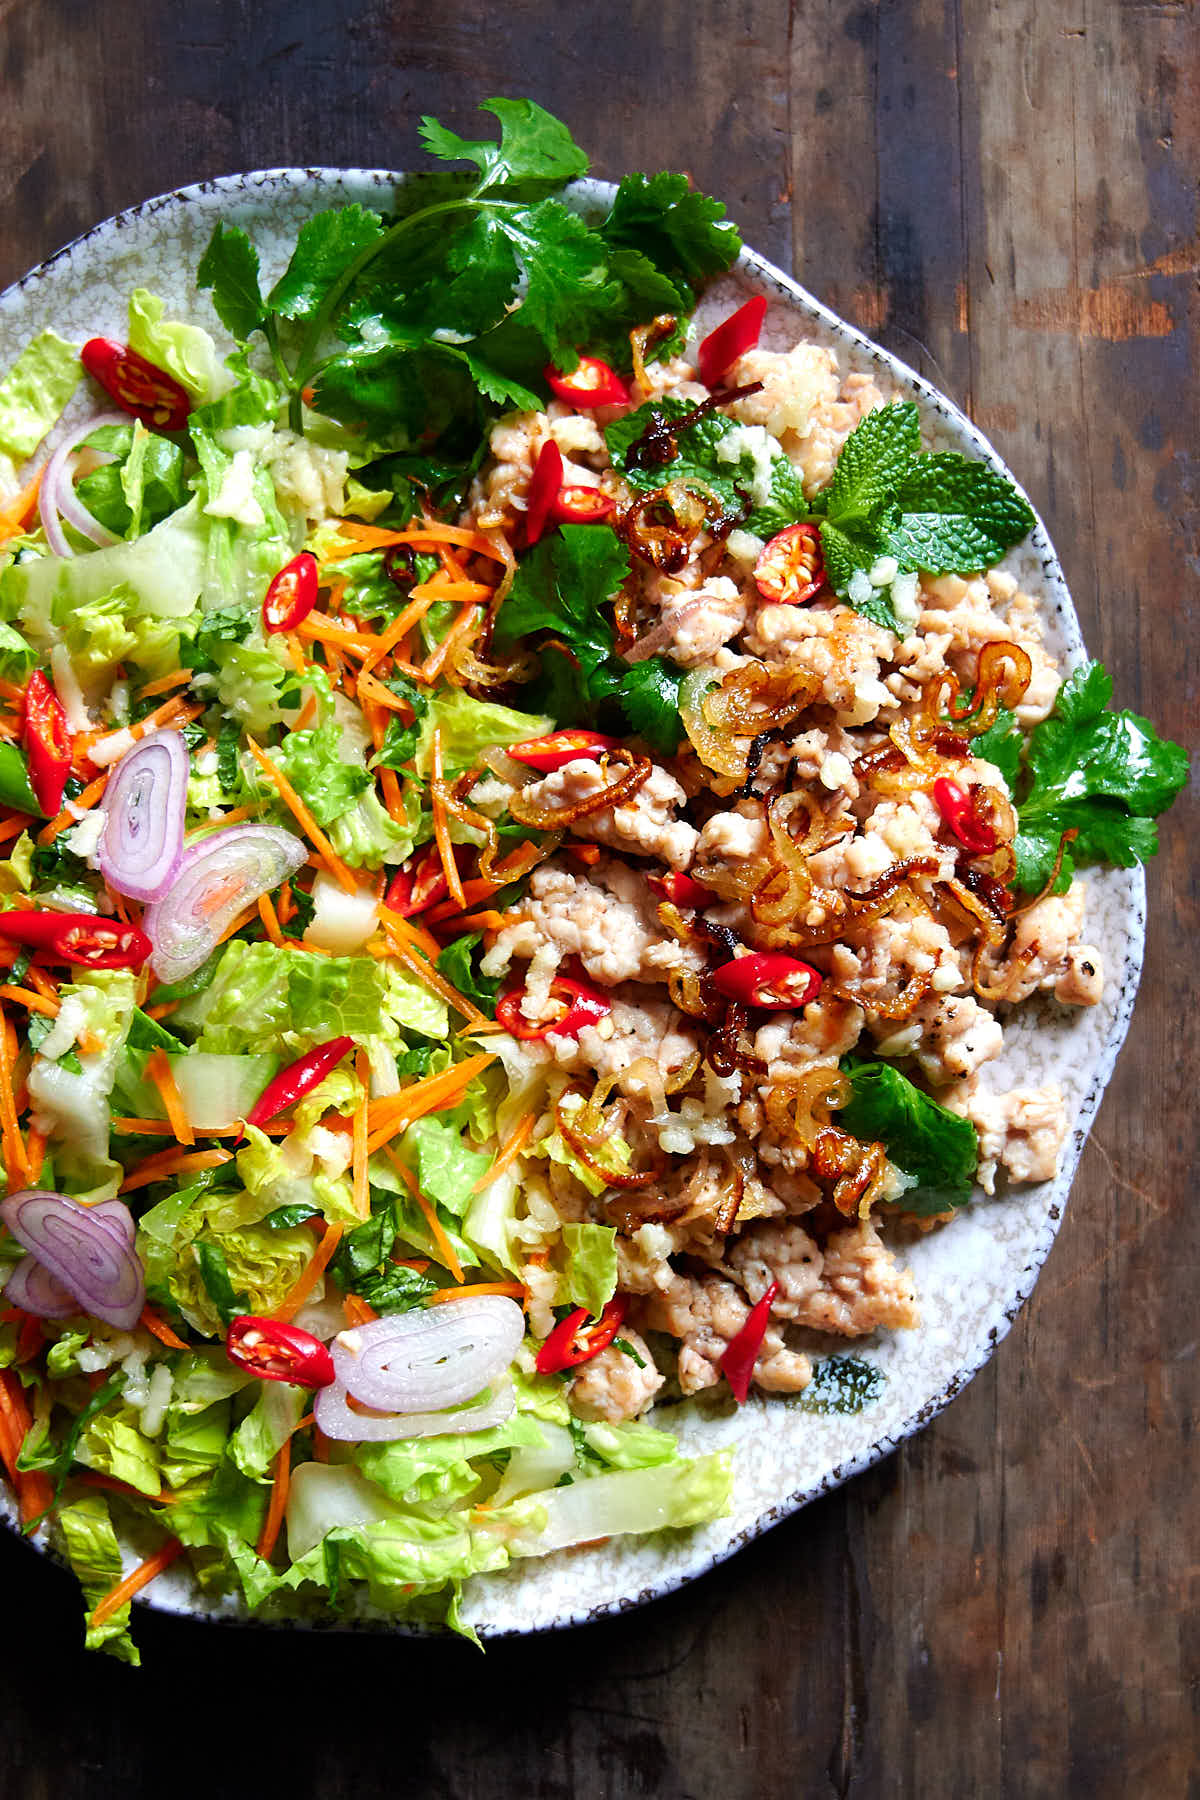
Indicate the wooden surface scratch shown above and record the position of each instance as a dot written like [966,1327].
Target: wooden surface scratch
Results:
[1005,192]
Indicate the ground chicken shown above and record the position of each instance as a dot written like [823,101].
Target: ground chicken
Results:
[706,1313]
[638,1027]
[1022,1130]
[699,621]
[781,1253]
[967,611]
[860,1289]
[795,384]
[815,451]
[612,1386]
[606,918]
[1045,953]
[892,950]
[644,826]
[824,1032]
[839,646]
[957,1034]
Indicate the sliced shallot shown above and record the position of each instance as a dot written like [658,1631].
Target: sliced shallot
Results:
[33,1288]
[145,806]
[425,1361]
[339,1419]
[90,1256]
[216,878]
[57,492]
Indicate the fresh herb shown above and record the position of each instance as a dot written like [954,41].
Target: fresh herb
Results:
[585,1454]
[400,740]
[396,1288]
[215,1275]
[473,286]
[779,501]
[229,740]
[284,1217]
[1105,775]
[56,863]
[627,1349]
[936,1149]
[363,1264]
[841,1384]
[1001,745]
[459,963]
[414,1059]
[648,693]
[224,625]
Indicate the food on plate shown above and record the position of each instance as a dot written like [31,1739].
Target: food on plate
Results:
[524,823]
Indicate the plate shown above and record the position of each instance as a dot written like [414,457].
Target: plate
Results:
[972,1278]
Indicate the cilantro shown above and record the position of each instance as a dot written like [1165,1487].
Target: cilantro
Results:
[54,862]
[841,1384]
[456,303]
[649,694]
[699,459]
[459,964]
[1001,744]
[938,1150]
[1105,775]
[400,740]
[224,625]
[414,1059]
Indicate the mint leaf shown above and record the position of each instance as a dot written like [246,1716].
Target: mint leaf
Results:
[874,460]
[849,550]
[649,694]
[534,147]
[327,246]
[229,267]
[934,1146]
[956,516]
[732,480]
[1104,774]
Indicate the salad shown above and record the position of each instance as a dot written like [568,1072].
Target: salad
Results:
[522,825]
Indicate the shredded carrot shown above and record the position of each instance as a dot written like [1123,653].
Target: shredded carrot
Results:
[14,827]
[110,1484]
[512,1146]
[431,977]
[296,655]
[270,919]
[411,933]
[33,1002]
[37,978]
[480,921]
[158,1070]
[374,691]
[35,1153]
[372,537]
[304,818]
[89,1043]
[173,714]
[441,823]
[30,1339]
[269,1536]
[307,713]
[300,1290]
[462,627]
[133,1584]
[584,853]
[238,923]
[158,1327]
[170,1162]
[362,1191]
[395,1114]
[287,906]
[34,1494]
[324,630]
[473,892]
[236,814]
[16,1168]
[445,1249]
[65,819]
[163,1010]
[513,1289]
[393,799]
[357,1311]
[20,508]
[164,684]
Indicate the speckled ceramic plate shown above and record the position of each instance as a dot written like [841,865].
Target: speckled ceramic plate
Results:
[971,1278]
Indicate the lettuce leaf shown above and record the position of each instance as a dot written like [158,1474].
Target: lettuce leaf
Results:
[95,1556]
[590,1276]
[35,391]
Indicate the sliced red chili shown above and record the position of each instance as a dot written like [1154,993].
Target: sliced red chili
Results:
[544,486]
[791,567]
[292,594]
[417,884]
[959,807]
[299,1078]
[741,1354]
[137,386]
[592,383]
[581,1005]
[574,1341]
[682,890]
[277,1352]
[767,978]
[84,939]
[578,505]
[561,747]
[731,339]
[48,743]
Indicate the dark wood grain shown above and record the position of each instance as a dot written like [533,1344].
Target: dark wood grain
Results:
[1004,193]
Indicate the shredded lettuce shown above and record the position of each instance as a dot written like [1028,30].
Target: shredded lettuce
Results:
[35,391]
[95,1556]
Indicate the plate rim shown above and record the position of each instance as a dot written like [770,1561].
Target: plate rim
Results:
[762,272]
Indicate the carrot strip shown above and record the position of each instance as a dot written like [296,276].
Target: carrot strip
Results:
[110,1484]
[473,892]
[238,924]
[14,827]
[434,1094]
[157,1168]
[361,1190]
[158,1070]
[372,537]
[16,1167]
[441,822]
[411,933]
[161,1128]
[20,508]
[307,713]
[480,921]
[432,978]
[65,819]
[30,1339]
[269,1536]
[296,655]
[324,630]
[512,1146]
[320,1445]
[164,1010]
[357,1311]
[35,1152]
[393,799]
[37,978]
[446,1250]
[173,714]
[513,1289]
[287,906]
[158,1327]
[267,914]
[33,1002]
[374,691]
[298,1293]
[164,684]
[133,1583]
[304,818]
[431,668]
[34,1494]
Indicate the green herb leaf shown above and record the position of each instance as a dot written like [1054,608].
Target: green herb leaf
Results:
[326,247]
[873,462]
[733,478]
[534,147]
[956,516]
[210,1259]
[458,963]
[649,695]
[230,268]
[684,234]
[935,1147]
[561,586]
[1001,744]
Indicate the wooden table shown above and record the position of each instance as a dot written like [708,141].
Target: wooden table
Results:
[1004,194]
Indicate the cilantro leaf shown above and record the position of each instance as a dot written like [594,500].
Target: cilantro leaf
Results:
[459,963]
[229,267]
[400,740]
[1001,744]
[326,247]
[561,586]
[569,288]
[685,234]
[939,1150]
[1106,775]
[534,147]
[649,694]
[956,516]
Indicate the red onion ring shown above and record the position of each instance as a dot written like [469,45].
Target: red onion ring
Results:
[33,1288]
[53,497]
[145,804]
[428,1360]
[338,1419]
[238,865]
[89,1256]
